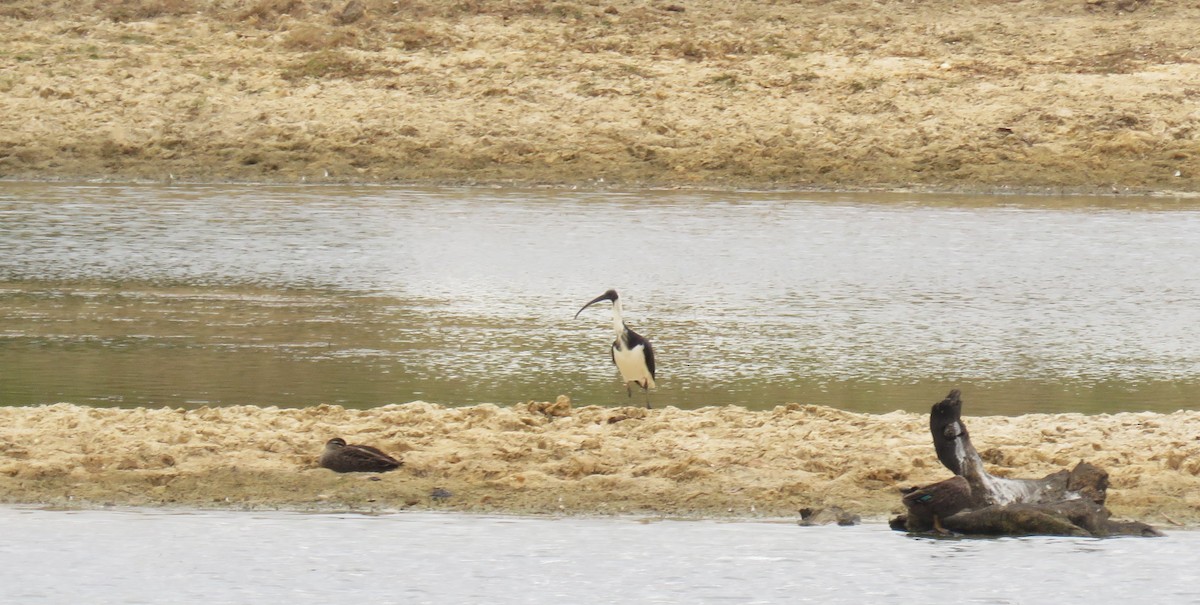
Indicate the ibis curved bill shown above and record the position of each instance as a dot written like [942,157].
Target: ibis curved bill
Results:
[631,352]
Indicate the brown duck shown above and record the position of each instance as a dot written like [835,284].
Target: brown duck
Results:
[342,458]
[928,505]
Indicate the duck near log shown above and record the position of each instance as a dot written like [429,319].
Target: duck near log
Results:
[975,502]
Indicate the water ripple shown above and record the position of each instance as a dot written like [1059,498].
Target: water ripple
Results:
[750,298]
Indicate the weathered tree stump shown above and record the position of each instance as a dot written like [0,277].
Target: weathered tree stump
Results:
[1066,503]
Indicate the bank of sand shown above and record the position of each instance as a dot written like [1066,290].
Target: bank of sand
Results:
[550,458]
[1075,95]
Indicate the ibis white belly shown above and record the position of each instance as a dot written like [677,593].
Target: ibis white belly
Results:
[632,365]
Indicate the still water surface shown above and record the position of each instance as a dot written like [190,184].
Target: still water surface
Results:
[137,556]
[363,296]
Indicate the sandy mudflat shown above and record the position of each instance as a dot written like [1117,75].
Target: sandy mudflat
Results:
[1042,95]
[550,458]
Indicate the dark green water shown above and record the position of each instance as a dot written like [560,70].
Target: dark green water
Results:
[293,296]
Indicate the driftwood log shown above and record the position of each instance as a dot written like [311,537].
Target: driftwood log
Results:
[1065,503]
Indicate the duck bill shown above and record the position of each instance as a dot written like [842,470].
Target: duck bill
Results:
[610,295]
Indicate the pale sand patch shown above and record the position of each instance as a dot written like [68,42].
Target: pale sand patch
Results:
[1048,95]
[553,459]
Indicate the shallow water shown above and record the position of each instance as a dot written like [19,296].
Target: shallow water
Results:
[194,295]
[140,556]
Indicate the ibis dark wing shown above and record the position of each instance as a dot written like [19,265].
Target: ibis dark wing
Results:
[649,357]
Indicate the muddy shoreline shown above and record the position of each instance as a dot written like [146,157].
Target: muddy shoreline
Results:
[1082,96]
[1061,96]
[551,458]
